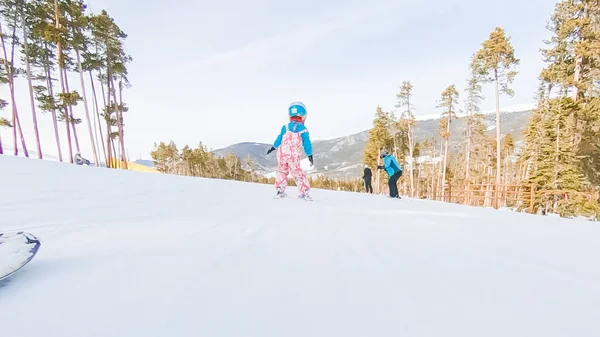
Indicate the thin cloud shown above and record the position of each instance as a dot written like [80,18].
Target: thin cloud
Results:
[292,43]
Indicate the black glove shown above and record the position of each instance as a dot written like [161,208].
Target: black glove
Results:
[310,158]
[271,150]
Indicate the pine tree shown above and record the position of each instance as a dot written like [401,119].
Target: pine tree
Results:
[10,12]
[4,122]
[165,157]
[474,116]
[41,33]
[449,101]
[508,148]
[379,138]
[495,62]
[561,148]
[65,99]
[556,166]
[533,137]
[573,68]
[25,15]
[79,43]
[572,53]
[112,59]
[408,122]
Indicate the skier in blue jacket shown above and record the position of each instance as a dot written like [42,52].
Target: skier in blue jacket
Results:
[394,171]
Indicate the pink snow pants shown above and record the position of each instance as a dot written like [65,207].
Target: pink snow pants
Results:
[288,162]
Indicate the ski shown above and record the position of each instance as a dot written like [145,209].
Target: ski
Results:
[16,250]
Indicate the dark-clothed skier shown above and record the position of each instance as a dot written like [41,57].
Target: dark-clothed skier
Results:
[367,177]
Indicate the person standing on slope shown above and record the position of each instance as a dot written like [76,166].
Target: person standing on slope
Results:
[367,177]
[394,171]
[293,137]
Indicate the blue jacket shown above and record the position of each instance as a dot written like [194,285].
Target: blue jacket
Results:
[391,165]
[296,127]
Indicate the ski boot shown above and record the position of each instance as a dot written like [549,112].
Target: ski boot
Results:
[280,194]
[306,197]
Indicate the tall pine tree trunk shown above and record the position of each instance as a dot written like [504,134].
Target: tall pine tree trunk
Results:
[87,110]
[432,183]
[66,111]
[31,95]
[439,172]
[411,148]
[445,156]
[557,149]
[378,175]
[51,94]
[12,87]
[468,160]
[13,106]
[62,81]
[395,147]
[71,117]
[418,191]
[98,116]
[11,83]
[577,76]
[118,154]
[433,170]
[468,150]
[108,108]
[18,124]
[108,117]
[118,163]
[497,93]
[122,135]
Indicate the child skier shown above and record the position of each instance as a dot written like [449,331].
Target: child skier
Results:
[291,139]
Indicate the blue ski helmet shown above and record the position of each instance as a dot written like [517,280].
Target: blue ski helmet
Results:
[297,109]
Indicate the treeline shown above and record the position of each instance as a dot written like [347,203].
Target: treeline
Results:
[199,162]
[45,41]
[560,155]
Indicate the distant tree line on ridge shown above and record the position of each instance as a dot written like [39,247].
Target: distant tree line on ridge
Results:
[199,162]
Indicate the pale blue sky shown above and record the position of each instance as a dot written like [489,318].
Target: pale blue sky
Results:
[224,72]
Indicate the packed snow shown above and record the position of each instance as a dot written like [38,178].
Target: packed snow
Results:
[136,254]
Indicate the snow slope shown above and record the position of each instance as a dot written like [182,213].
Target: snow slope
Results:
[135,254]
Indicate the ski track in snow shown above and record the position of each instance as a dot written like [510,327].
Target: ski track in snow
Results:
[140,254]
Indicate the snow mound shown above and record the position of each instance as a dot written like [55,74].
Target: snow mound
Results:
[138,254]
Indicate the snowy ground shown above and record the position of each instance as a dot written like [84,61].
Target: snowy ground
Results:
[135,254]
